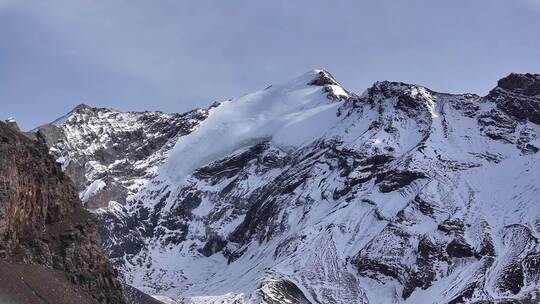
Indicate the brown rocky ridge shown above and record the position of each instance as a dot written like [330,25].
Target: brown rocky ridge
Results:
[50,249]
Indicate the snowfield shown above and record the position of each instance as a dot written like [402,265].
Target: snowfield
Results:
[289,115]
[307,193]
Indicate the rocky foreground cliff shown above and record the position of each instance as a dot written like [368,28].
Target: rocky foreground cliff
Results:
[305,192]
[49,244]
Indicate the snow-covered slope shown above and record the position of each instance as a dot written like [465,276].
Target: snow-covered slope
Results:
[307,193]
[110,154]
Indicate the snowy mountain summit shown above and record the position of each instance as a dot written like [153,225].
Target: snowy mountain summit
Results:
[307,193]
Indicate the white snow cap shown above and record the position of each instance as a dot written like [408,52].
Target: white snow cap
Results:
[290,114]
[11,119]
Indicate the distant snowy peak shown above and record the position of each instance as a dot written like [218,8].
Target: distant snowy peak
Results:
[79,109]
[406,96]
[102,144]
[90,142]
[289,114]
[84,107]
[321,78]
[334,89]
[316,78]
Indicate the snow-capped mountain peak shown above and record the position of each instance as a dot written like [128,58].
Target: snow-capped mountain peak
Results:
[289,114]
[95,142]
[79,109]
[306,193]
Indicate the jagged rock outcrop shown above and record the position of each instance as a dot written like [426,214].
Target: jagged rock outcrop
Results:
[12,123]
[518,95]
[305,192]
[42,222]
[96,145]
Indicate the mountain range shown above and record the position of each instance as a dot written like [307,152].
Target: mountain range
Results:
[305,192]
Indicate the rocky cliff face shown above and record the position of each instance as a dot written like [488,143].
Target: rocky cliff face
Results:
[42,221]
[518,95]
[97,145]
[307,193]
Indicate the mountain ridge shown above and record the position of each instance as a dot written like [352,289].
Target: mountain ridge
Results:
[331,197]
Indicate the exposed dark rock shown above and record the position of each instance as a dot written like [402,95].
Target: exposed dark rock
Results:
[373,268]
[12,123]
[282,291]
[323,79]
[518,95]
[531,265]
[526,135]
[151,132]
[230,167]
[465,295]
[406,101]
[458,248]
[424,275]
[452,226]
[410,99]
[497,125]
[134,296]
[258,216]
[512,278]
[214,243]
[128,228]
[423,205]
[386,89]
[526,84]
[350,162]
[486,247]
[381,257]
[393,180]
[468,104]
[43,222]
[233,255]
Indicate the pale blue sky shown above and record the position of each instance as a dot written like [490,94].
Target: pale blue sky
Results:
[177,55]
